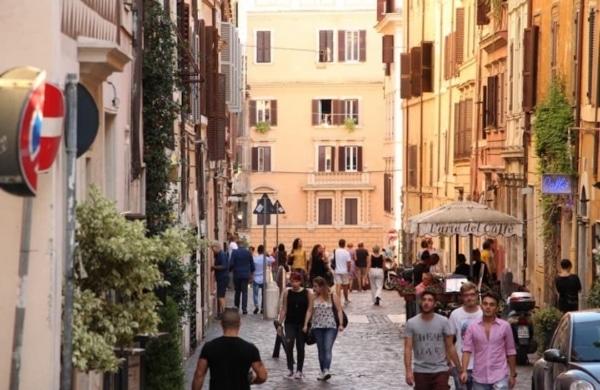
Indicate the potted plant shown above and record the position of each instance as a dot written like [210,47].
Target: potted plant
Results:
[545,322]
[263,127]
[350,124]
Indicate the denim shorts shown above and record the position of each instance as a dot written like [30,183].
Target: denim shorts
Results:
[500,385]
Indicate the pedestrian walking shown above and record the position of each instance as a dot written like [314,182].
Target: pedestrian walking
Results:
[362,256]
[242,265]
[568,286]
[490,342]
[294,308]
[429,338]
[229,359]
[298,259]
[319,266]
[375,270]
[481,274]
[352,268]
[343,263]
[221,270]
[421,267]
[487,256]
[460,319]
[325,312]
[258,281]
[281,279]
[462,268]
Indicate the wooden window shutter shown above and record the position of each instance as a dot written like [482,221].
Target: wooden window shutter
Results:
[342,159]
[405,90]
[315,112]
[252,119]
[332,148]
[322,46]
[260,49]
[461,128]
[412,165]
[356,111]
[325,211]
[490,101]
[459,36]
[387,49]
[267,158]
[341,46]
[427,66]
[380,9]
[321,163]
[274,112]
[592,57]
[387,192]
[415,69]
[483,8]
[350,211]
[203,63]
[254,159]
[267,45]
[457,151]
[468,131]
[362,44]
[530,47]
[446,57]
[359,158]
[484,112]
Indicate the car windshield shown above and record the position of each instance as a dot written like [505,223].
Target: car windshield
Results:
[586,342]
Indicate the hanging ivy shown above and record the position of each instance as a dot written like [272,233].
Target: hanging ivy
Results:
[553,117]
[160,111]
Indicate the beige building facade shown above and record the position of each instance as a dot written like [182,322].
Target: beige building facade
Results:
[317,139]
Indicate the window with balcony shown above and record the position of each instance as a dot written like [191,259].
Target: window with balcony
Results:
[334,112]
[326,158]
[325,211]
[351,211]
[261,159]
[326,46]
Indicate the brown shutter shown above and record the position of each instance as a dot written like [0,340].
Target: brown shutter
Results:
[220,109]
[362,43]
[461,128]
[460,36]
[259,47]
[203,63]
[267,158]
[387,195]
[468,127]
[355,108]
[267,46]
[415,68]
[411,163]
[337,111]
[315,112]
[380,9]
[330,53]
[252,119]
[427,66]
[530,47]
[359,159]
[387,49]
[484,112]
[321,164]
[492,100]
[342,159]
[325,211]
[211,139]
[341,46]
[332,158]
[274,112]
[254,159]
[457,151]
[483,8]
[405,91]
[322,46]
[446,57]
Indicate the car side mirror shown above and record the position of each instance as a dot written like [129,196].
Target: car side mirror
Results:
[554,356]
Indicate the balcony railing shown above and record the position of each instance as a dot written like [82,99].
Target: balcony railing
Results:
[325,119]
[91,18]
[338,178]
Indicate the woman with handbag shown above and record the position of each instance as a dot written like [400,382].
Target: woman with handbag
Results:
[327,318]
[294,307]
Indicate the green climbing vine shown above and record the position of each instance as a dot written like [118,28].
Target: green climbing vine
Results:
[553,117]
[160,111]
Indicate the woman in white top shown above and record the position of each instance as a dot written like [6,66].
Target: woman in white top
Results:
[326,323]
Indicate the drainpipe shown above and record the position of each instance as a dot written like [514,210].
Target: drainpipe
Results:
[406,118]
[421,118]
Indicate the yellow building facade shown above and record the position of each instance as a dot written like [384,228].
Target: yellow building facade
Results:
[317,139]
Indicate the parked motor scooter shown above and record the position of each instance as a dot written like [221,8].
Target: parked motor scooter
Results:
[389,274]
[520,318]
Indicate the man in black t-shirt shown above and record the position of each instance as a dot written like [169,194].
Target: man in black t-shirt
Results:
[229,359]
[361,255]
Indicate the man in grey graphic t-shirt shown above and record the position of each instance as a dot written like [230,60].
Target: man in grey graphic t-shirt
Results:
[429,337]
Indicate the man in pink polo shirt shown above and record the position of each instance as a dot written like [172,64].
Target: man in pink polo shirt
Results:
[491,342]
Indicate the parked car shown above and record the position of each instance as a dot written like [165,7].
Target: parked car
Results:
[573,360]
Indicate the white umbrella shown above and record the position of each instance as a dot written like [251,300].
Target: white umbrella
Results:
[465,218]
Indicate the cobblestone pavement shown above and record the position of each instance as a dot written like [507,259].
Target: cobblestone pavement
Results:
[368,355]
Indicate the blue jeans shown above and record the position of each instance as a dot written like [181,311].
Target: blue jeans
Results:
[462,386]
[325,338]
[500,385]
[255,290]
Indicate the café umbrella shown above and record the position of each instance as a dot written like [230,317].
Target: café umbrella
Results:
[465,219]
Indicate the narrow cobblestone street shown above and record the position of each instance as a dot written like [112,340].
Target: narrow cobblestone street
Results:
[368,355]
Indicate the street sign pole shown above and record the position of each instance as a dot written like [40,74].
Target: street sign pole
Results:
[264,289]
[277,226]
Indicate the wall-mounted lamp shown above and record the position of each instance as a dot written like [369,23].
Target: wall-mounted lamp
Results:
[115,100]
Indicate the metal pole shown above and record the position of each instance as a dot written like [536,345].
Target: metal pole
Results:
[264,290]
[22,294]
[471,255]
[276,226]
[66,374]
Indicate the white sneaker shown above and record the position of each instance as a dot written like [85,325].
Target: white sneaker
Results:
[299,375]
[321,376]
[326,375]
[290,375]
